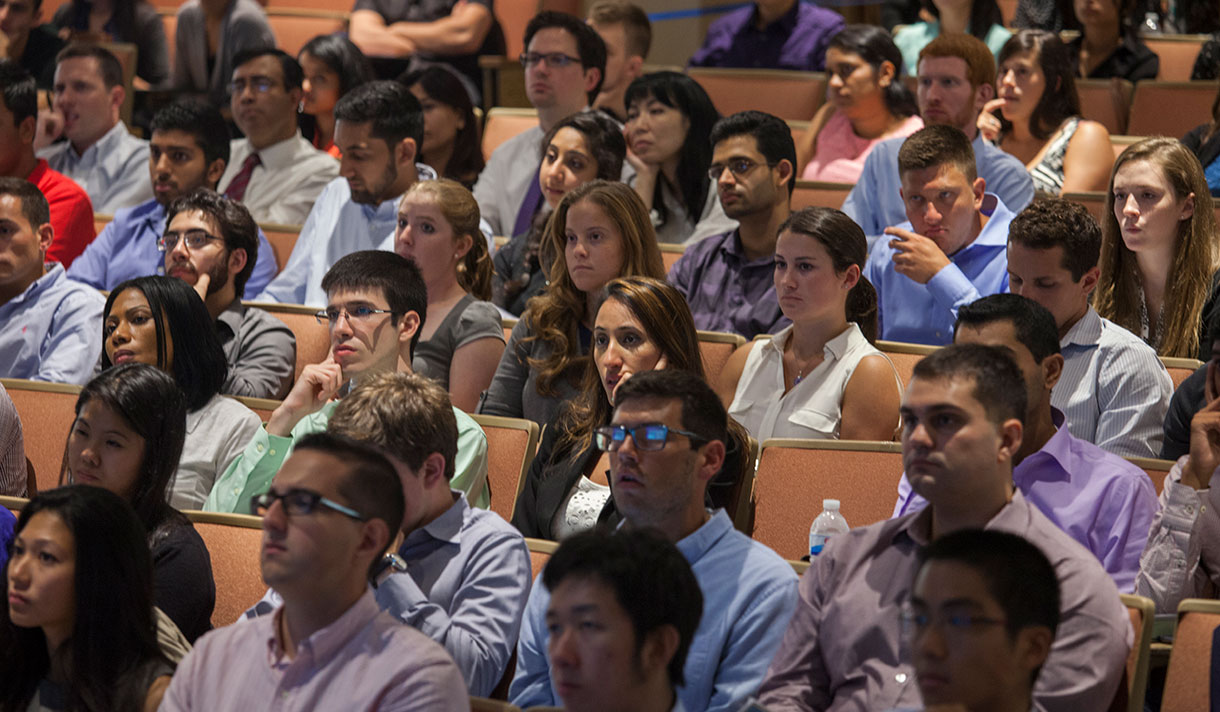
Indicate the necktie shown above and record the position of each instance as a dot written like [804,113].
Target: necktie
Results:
[237,186]
[529,206]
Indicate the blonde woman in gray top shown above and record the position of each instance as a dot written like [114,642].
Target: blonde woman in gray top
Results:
[821,377]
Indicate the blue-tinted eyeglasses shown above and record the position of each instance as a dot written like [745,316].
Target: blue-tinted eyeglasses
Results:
[299,502]
[647,436]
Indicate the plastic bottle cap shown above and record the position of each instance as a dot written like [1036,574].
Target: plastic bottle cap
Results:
[831,504]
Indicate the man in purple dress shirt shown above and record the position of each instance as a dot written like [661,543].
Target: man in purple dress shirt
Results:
[330,514]
[728,279]
[770,34]
[963,416]
[1102,501]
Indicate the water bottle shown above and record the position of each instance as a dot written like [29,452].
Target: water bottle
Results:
[826,525]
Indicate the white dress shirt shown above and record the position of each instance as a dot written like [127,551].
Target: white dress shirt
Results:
[113,171]
[284,186]
[215,435]
[1114,390]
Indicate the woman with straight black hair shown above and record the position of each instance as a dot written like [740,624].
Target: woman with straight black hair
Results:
[451,131]
[127,438]
[669,119]
[78,632]
[333,66]
[1109,44]
[161,321]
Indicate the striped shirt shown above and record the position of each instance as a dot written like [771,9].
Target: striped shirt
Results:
[1114,390]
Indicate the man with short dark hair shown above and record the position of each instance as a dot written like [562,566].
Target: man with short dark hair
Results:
[99,153]
[956,78]
[1114,390]
[71,211]
[625,29]
[467,570]
[728,279]
[379,127]
[665,441]
[25,40]
[770,34]
[982,618]
[376,305]
[962,414]
[188,149]
[950,251]
[330,514]
[274,171]
[211,243]
[637,590]
[50,326]
[1102,501]
[565,62]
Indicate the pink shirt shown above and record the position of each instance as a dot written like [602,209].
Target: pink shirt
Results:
[840,152]
[365,660]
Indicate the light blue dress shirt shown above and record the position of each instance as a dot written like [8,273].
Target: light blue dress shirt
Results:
[52,331]
[924,313]
[127,248]
[466,583]
[113,171]
[749,594]
[336,226]
[876,203]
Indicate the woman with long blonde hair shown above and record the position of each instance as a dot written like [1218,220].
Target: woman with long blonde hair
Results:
[438,228]
[599,231]
[1158,249]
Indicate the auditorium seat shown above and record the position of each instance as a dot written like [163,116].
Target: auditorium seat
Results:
[1180,368]
[13,504]
[817,193]
[262,407]
[47,411]
[233,542]
[313,339]
[794,476]
[540,553]
[1177,54]
[1120,143]
[504,123]
[1157,470]
[716,347]
[100,221]
[782,93]
[670,254]
[1170,108]
[1106,101]
[1141,611]
[483,704]
[904,357]
[293,27]
[511,444]
[282,238]
[1187,680]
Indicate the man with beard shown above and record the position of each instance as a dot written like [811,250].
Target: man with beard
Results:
[189,149]
[211,244]
[378,127]
[727,278]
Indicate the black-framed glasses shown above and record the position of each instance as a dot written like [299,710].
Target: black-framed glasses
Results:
[299,502]
[739,167]
[360,313]
[557,60]
[954,626]
[261,85]
[647,436]
[194,239]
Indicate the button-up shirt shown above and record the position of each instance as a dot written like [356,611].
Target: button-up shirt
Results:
[127,248]
[1102,501]
[261,352]
[875,202]
[113,171]
[925,313]
[1113,389]
[727,291]
[1182,559]
[284,186]
[251,472]
[843,649]
[52,331]
[363,660]
[798,40]
[12,452]
[748,596]
[336,226]
[467,578]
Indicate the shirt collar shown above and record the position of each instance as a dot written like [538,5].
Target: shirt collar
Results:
[422,172]
[54,272]
[447,527]
[324,644]
[918,528]
[834,349]
[694,545]
[995,232]
[277,156]
[1053,460]
[786,23]
[730,246]
[104,146]
[1085,332]
[233,315]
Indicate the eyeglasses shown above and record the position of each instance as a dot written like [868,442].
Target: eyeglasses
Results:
[299,502]
[556,60]
[739,167]
[262,85]
[648,436]
[954,626]
[195,239]
[358,313]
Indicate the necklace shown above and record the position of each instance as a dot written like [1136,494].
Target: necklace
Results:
[800,372]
